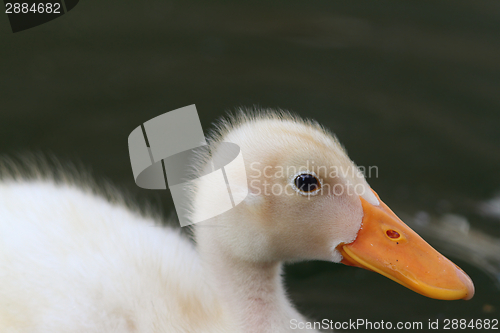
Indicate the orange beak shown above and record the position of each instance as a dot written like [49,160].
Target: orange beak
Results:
[386,245]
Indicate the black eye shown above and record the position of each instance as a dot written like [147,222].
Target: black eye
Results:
[307,183]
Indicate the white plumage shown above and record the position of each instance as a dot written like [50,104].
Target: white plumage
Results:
[70,261]
[73,261]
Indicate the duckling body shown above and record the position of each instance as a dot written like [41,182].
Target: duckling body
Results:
[71,261]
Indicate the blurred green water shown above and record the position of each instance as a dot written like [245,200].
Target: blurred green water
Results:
[410,87]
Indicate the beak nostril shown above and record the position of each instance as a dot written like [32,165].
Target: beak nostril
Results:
[392,234]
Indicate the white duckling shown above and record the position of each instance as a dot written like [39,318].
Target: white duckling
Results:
[73,261]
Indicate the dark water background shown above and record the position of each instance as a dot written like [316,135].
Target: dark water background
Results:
[410,87]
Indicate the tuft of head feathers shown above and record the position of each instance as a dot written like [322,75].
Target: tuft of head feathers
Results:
[253,116]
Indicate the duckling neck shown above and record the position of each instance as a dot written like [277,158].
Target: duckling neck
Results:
[251,292]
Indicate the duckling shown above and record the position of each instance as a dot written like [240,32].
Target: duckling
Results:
[72,260]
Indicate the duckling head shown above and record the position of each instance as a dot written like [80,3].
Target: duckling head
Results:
[306,200]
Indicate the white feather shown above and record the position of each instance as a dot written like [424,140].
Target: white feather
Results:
[72,261]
